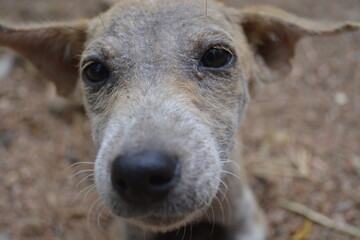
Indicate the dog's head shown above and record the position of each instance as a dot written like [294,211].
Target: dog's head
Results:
[165,84]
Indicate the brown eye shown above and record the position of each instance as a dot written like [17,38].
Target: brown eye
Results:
[216,57]
[96,72]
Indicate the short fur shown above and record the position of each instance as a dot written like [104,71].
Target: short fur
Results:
[159,96]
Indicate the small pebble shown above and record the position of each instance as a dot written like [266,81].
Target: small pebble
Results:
[341,98]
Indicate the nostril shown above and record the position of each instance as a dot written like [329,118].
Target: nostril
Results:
[159,180]
[118,182]
[122,184]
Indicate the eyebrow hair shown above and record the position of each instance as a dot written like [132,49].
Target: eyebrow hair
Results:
[215,31]
[214,36]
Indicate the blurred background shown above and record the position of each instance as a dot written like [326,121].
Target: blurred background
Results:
[301,136]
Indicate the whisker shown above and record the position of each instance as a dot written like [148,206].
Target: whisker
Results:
[87,193]
[84,179]
[184,234]
[207,216]
[99,218]
[102,21]
[229,208]
[83,171]
[224,184]
[232,162]
[83,190]
[221,209]
[81,163]
[177,232]
[191,232]
[232,174]
[89,213]
[213,221]
[222,193]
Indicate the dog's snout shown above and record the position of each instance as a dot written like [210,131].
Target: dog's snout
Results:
[145,177]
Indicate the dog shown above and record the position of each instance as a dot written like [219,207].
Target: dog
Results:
[166,85]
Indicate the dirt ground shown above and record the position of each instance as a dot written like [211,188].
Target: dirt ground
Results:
[301,137]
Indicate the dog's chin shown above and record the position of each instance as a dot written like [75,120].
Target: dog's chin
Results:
[162,224]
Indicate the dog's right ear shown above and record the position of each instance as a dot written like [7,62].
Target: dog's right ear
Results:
[54,49]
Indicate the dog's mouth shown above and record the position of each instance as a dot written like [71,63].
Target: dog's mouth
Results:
[196,231]
[161,224]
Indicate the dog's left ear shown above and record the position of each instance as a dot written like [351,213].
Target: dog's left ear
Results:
[273,33]
[54,49]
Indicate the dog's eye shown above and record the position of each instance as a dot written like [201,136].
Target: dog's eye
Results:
[96,72]
[216,57]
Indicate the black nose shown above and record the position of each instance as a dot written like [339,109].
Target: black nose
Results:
[145,177]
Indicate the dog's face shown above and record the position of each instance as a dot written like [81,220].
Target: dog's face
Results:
[172,83]
[165,84]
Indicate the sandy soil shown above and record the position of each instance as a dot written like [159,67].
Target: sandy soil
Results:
[301,137]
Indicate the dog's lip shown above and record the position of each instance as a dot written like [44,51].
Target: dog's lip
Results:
[157,218]
[161,221]
[148,214]
[165,221]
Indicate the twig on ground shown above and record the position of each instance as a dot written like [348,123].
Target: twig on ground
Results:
[319,218]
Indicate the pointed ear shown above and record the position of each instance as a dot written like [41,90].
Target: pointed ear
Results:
[54,49]
[273,34]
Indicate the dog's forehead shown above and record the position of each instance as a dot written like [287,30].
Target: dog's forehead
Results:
[137,10]
[166,23]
